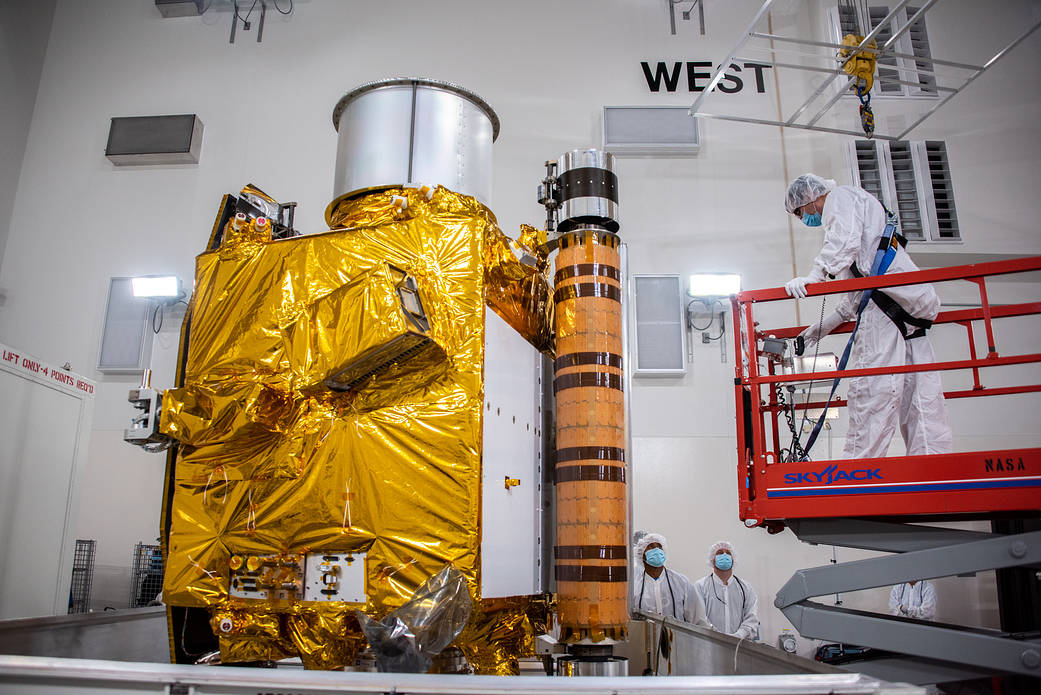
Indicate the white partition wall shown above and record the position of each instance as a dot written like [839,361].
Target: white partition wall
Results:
[45,416]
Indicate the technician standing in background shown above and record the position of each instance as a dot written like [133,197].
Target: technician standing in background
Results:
[730,603]
[659,590]
[892,326]
[915,599]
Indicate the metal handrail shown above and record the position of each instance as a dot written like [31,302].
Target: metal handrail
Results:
[784,661]
[916,277]
[91,676]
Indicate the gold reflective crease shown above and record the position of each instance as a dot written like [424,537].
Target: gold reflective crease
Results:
[317,415]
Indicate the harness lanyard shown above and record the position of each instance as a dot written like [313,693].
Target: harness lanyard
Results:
[643,587]
[744,597]
[883,259]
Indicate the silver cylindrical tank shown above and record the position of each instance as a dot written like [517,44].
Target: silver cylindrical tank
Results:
[410,130]
[609,666]
[587,190]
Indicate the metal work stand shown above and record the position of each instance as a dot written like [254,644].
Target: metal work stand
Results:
[937,651]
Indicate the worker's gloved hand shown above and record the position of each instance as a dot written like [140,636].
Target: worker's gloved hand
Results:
[812,335]
[796,287]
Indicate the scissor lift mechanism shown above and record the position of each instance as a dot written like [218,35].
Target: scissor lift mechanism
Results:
[959,74]
[863,503]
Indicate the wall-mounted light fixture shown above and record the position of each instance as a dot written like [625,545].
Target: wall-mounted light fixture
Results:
[709,289]
[126,341]
[162,291]
[160,288]
[714,284]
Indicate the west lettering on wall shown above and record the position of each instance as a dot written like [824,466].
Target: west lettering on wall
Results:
[698,74]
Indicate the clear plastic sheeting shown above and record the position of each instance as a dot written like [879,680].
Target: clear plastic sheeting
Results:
[408,638]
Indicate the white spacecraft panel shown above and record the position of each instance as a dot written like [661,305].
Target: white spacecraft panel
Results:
[512,465]
[335,577]
[45,415]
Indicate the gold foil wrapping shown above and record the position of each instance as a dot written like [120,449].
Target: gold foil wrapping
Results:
[272,461]
[517,287]
[502,631]
[249,635]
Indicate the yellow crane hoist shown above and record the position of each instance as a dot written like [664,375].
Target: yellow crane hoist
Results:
[862,67]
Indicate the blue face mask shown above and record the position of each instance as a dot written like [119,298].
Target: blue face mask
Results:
[813,220]
[725,561]
[655,557]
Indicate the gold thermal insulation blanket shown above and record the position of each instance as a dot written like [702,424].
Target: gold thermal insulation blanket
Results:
[273,463]
[502,630]
[518,288]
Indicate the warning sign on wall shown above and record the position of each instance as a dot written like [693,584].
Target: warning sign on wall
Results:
[19,362]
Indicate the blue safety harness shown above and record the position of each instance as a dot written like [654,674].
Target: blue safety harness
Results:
[887,247]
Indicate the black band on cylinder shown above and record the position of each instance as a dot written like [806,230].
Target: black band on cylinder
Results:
[589,552]
[575,359]
[604,380]
[587,182]
[600,474]
[586,453]
[608,239]
[587,289]
[591,573]
[587,269]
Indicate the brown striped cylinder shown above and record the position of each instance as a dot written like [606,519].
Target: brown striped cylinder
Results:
[590,446]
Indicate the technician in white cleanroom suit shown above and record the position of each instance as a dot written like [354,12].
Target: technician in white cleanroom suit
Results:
[853,223]
[664,592]
[659,590]
[731,604]
[913,600]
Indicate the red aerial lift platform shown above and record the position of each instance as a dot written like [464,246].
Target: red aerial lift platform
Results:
[866,503]
[971,483]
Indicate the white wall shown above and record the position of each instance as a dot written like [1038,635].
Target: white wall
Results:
[547,68]
[25,26]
